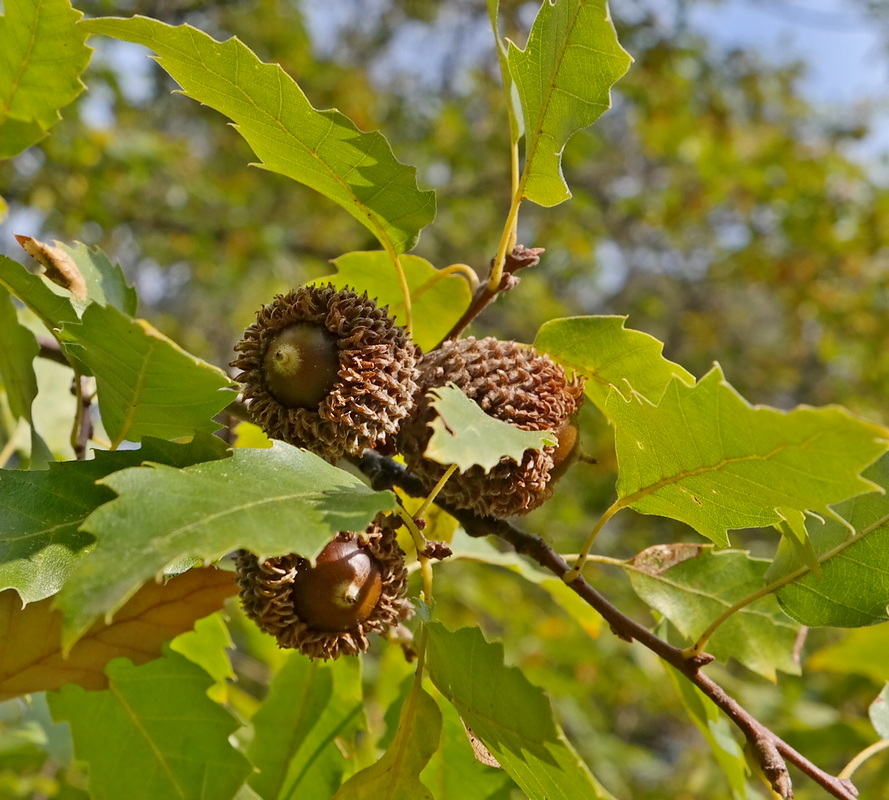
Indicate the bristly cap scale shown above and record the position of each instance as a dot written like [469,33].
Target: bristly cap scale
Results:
[512,383]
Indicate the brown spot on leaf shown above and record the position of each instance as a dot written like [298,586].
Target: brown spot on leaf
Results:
[657,559]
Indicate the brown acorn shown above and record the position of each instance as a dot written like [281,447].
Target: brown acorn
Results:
[510,382]
[356,587]
[328,370]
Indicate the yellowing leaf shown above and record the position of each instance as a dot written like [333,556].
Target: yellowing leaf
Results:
[31,657]
[438,300]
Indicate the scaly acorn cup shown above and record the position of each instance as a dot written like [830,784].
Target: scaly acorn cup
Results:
[512,383]
[356,587]
[326,369]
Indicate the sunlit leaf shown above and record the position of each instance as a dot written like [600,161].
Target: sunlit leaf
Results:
[17,355]
[272,501]
[310,708]
[153,733]
[322,149]
[853,588]
[610,356]
[464,435]
[396,776]
[41,512]
[693,592]
[207,643]
[564,78]
[437,300]
[43,57]
[510,715]
[516,121]
[704,456]
[31,658]
[147,384]
[104,282]
[879,713]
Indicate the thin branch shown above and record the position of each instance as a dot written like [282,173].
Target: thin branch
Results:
[772,752]
[520,258]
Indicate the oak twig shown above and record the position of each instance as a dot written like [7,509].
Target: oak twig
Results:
[772,752]
[520,258]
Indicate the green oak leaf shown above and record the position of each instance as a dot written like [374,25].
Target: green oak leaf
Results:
[272,501]
[438,300]
[147,385]
[43,56]
[454,773]
[396,776]
[564,78]
[41,512]
[105,282]
[322,149]
[52,309]
[511,716]
[153,732]
[717,732]
[310,706]
[853,588]
[610,356]
[464,435]
[705,457]
[694,589]
[17,354]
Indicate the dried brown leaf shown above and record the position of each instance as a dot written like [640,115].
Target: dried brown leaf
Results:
[60,267]
[658,558]
[31,658]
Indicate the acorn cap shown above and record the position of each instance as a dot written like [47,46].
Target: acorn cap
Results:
[326,369]
[510,382]
[356,587]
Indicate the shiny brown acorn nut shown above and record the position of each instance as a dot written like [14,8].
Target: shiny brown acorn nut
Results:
[327,369]
[341,590]
[356,587]
[510,382]
[301,365]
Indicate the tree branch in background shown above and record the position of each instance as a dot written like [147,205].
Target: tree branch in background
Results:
[772,752]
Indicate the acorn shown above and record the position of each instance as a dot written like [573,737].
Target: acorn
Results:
[510,382]
[356,587]
[328,370]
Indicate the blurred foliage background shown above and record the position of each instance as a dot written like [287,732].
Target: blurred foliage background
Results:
[713,204]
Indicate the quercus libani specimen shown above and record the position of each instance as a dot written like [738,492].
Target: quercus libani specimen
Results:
[453,433]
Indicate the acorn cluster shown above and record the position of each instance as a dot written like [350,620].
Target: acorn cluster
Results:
[329,370]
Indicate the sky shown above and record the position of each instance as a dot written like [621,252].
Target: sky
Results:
[847,66]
